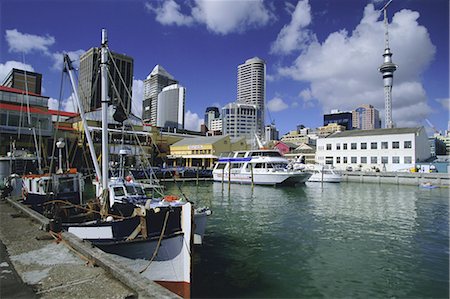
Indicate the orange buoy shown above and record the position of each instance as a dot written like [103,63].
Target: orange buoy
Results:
[170,198]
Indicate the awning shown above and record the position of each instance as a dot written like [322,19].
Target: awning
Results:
[205,156]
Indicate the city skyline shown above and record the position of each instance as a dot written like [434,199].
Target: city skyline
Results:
[320,55]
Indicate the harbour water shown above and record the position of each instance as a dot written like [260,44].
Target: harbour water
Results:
[342,240]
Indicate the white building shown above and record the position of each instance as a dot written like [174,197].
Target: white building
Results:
[385,149]
[271,133]
[251,87]
[239,120]
[170,112]
[216,125]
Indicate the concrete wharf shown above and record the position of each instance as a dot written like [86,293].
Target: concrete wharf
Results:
[399,178]
[69,268]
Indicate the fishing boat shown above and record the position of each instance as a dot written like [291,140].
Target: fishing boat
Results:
[259,167]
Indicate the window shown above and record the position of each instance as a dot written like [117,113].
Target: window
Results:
[259,165]
[363,160]
[384,145]
[384,160]
[407,144]
[329,160]
[395,159]
[407,160]
[374,160]
[353,145]
[345,146]
[338,146]
[373,145]
[353,159]
[338,160]
[345,160]
[363,145]
[395,144]
[328,146]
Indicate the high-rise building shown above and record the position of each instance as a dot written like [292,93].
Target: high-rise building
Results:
[211,114]
[366,117]
[387,69]
[343,118]
[89,85]
[239,120]
[271,133]
[24,80]
[251,88]
[170,109]
[153,85]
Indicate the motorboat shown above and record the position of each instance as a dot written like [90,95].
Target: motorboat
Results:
[319,173]
[259,167]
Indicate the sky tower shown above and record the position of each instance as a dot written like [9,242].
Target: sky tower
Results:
[387,69]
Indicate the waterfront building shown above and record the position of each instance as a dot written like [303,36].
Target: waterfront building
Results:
[446,141]
[211,114]
[216,126]
[24,80]
[153,85]
[271,133]
[366,117]
[19,113]
[171,106]
[437,146]
[251,88]
[329,129]
[344,118]
[89,89]
[204,151]
[239,120]
[304,152]
[387,69]
[383,149]
[296,138]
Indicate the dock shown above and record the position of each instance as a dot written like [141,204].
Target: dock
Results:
[64,266]
[398,178]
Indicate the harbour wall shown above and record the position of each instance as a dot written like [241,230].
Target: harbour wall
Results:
[398,178]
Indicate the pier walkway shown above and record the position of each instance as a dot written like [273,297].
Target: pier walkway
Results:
[398,178]
[69,268]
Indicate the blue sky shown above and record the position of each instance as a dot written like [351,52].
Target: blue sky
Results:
[320,54]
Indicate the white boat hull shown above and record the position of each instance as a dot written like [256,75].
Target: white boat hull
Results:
[268,178]
[327,178]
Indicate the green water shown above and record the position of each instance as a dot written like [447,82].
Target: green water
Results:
[345,240]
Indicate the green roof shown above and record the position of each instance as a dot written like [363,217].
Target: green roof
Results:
[199,140]
[355,133]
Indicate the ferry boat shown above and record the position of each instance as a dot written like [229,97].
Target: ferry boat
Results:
[259,167]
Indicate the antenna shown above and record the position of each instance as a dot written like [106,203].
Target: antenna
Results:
[386,34]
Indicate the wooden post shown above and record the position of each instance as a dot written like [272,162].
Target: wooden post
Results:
[229,177]
[197,177]
[251,171]
[223,176]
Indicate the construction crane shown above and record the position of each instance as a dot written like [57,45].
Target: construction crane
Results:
[431,126]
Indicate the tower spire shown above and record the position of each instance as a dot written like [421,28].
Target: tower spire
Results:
[387,69]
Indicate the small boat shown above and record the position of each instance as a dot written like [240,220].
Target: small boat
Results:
[259,167]
[319,173]
[428,185]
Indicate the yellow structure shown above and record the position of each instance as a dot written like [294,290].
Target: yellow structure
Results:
[295,138]
[330,129]
[203,151]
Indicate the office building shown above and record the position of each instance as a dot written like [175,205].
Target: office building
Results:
[89,85]
[366,117]
[211,114]
[343,118]
[383,149]
[24,80]
[239,120]
[153,85]
[170,111]
[251,88]
[329,129]
[216,126]
[271,133]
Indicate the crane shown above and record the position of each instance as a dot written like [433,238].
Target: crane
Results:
[431,126]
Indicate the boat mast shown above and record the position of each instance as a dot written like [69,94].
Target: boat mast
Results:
[69,68]
[105,102]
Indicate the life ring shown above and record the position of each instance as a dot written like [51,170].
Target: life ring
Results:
[170,198]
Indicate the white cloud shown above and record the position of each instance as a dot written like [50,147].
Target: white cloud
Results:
[192,121]
[137,97]
[220,17]
[6,67]
[58,58]
[170,14]
[444,102]
[294,36]
[26,43]
[276,105]
[67,104]
[343,70]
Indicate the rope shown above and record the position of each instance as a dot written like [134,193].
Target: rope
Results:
[59,239]
[159,242]
[83,208]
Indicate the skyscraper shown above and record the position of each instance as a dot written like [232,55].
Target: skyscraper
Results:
[24,80]
[153,85]
[170,111]
[239,120]
[211,114]
[251,88]
[343,118]
[366,117]
[387,69]
[89,80]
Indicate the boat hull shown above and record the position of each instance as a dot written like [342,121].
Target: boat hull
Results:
[271,179]
[326,178]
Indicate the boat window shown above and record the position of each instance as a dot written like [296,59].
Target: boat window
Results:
[220,166]
[259,165]
[118,191]
[66,185]
[236,165]
[140,191]
[279,165]
[240,154]
[130,190]
[271,154]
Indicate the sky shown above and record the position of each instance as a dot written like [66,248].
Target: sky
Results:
[320,54]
